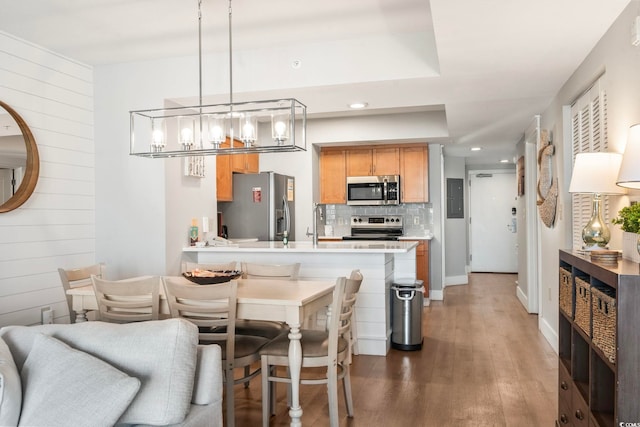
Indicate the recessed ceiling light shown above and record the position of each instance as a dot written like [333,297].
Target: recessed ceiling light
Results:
[476,148]
[504,161]
[358,105]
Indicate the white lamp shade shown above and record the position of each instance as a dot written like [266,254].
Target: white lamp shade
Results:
[629,175]
[596,173]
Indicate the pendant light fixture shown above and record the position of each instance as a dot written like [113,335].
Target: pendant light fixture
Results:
[247,127]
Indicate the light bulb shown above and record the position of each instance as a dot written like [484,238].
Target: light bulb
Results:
[216,134]
[280,129]
[247,131]
[186,136]
[158,138]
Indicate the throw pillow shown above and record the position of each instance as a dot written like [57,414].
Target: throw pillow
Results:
[67,387]
[10,388]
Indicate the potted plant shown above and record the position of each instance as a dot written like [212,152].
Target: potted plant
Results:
[629,220]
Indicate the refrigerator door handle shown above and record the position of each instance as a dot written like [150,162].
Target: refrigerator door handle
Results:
[287,215]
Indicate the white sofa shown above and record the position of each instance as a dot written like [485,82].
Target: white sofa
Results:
[103,374]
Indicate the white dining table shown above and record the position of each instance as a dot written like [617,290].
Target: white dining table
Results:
[289,301]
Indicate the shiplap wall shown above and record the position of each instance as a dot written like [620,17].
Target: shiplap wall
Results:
[56,226]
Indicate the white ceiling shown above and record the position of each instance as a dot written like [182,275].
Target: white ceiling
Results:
[492,65]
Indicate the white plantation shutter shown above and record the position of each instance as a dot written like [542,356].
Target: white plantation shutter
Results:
[588,134]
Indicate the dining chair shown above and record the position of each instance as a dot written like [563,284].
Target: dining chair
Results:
[329,349]
[78,277]
[124,301]
[190,266]
[213,309]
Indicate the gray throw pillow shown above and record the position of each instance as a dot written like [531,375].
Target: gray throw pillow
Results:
[67,387]
[10,388]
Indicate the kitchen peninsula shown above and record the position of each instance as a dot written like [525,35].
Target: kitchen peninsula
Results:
[381,262]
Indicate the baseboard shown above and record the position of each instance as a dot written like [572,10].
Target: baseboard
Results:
[436,295]
[549,333]
[456,280]
[522,297]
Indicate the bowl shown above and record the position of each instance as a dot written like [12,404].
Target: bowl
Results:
[211,277]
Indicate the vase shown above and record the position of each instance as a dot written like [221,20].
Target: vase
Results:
[631,246]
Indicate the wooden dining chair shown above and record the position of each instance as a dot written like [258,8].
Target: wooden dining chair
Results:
[190,266]
[77,277]
[124,301]
[328,349]
[213,309]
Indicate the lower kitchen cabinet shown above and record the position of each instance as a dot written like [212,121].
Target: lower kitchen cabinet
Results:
[598,342]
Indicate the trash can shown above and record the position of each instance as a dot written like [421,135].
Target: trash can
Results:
[407,300]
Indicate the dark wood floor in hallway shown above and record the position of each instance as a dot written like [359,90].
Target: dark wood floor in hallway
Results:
[484,363]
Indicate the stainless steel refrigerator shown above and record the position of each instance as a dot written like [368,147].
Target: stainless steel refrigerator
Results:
[262,207]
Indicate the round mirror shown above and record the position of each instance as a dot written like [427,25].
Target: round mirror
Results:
[19,160]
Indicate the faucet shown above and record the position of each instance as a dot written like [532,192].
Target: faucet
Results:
[314,233]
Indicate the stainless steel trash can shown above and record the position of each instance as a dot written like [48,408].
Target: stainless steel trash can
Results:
[407,300]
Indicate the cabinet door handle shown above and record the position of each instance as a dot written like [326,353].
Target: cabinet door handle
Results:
[564,385]
[564,419]
[579,415]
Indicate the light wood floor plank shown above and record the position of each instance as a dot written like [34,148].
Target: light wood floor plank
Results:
[484,363]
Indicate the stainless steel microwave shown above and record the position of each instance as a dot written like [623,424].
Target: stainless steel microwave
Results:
[373,190]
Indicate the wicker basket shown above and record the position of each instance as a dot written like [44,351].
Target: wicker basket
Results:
[566,292]
[583,305]
[604,311]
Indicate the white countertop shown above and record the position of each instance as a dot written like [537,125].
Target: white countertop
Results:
[361,246]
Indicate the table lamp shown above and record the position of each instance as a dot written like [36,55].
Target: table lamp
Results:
[595,173]
[629,175]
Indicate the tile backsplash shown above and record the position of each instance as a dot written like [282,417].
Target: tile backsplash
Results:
[339,216]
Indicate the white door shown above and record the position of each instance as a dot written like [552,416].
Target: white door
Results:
[492,204]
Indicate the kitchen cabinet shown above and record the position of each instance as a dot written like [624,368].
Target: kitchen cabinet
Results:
[414,174]
[422,264]
[373,161]
[598,342]
[227,164]
[333,178]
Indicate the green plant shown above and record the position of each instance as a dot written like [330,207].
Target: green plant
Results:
[629,218]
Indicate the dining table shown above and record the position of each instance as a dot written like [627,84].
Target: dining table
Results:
[290,301]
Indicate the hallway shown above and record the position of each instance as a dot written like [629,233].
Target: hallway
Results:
[483,363]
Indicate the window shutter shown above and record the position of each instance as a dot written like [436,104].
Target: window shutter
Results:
[589,133]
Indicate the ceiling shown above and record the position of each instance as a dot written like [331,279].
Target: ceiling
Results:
[490,65]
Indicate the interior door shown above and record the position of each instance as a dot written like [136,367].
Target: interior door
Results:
[493,222]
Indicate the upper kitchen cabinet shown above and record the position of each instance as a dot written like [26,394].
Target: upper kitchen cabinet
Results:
[373,161]
[414,174]
[333,178]
[227,164]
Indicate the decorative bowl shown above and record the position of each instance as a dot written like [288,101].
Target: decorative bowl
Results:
[211,277]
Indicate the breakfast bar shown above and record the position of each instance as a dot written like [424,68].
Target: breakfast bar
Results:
[381,263]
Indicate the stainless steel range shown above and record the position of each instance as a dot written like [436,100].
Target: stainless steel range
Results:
[379,227]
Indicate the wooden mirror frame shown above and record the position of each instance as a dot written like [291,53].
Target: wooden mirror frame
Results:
[32,169]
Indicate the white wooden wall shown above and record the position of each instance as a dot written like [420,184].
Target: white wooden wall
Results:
[56,226]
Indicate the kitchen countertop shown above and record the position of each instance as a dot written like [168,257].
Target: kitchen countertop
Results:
[359,246]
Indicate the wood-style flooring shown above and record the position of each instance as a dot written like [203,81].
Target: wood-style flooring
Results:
[484,363]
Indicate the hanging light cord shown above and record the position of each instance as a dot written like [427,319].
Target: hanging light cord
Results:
[230,66]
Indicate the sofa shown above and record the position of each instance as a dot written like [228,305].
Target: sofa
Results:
[103,374]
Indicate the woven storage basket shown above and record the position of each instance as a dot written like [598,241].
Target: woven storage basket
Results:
[583,305]
[566,292]
[604,311]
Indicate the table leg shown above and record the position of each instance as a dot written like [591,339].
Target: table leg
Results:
[295,366]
